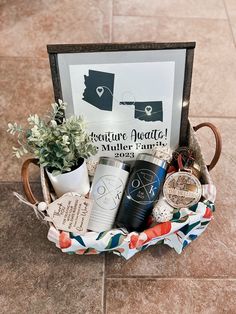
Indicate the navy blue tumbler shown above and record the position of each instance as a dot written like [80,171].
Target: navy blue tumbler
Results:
[141,193]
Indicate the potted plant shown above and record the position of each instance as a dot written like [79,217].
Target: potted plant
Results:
[61,145]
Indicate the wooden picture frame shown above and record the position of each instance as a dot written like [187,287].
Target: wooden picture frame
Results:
[56,52]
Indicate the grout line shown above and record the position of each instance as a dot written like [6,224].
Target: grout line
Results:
[230,26]
[171,278]
[172,17]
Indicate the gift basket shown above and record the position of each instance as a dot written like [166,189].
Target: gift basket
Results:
[184,227]
[128,184]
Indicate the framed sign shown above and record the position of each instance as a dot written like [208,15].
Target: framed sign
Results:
[133,97]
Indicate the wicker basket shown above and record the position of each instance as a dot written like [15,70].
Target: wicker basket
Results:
[185,226]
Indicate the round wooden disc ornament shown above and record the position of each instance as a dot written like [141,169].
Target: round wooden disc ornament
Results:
[182,189]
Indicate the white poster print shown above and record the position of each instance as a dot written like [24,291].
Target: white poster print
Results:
[127,106]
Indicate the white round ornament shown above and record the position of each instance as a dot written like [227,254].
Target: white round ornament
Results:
[42,206]
[162,211]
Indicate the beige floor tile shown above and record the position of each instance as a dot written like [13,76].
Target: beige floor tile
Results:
[170,296]
[214,253]
[26,88]
[28,26]
[35,276]
[214,75]
[172,8]
[231,11]
[49,293]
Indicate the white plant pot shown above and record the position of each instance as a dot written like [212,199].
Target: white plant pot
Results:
[73,181]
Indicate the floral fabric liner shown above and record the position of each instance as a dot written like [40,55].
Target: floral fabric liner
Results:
[186,225]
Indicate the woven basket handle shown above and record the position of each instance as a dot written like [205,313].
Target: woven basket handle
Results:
[25,179]
[218,141]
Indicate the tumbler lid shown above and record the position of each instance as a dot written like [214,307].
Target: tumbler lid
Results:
[152,159]
[114,163]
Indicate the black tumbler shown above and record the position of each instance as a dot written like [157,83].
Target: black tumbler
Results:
[141,193]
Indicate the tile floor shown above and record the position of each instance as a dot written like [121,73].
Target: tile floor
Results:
[35,277]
